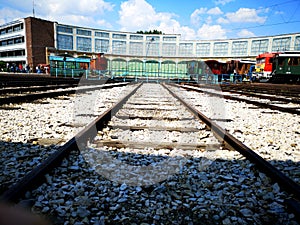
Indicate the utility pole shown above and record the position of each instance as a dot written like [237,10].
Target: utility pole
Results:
[33,8]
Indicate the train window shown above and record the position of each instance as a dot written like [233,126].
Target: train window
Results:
[295,61]
[280,61]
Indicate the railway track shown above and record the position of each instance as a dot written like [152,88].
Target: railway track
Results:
[24,90]
[52,93]
[177,152]
[291,105]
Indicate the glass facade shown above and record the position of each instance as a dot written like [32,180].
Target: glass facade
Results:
[186,49]
[143,45]
[136,48]
[202,49]
[136,37]
[101,45]
[297,43]
[259,46]
[64,42]
[119,47]
[119,36]
[169,49]
[84,32]
[84,44]
[239,48]
[281,44]
[102,34]
[64,29]
[220,48]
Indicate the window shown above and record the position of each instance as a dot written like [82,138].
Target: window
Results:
[239,48]
[102,34]
[64,29]
[186,49]
[3,43]
[152,49]
[281,44]
[152,38]
[84,32]
[65,42]
[136,37]
[101,45]
[169,38]
[259,46]
[84,44]
[136,48]
[220,49]
[203,49]
[169,49]
[19,40]
[119,47]
[119,36]
[297,43]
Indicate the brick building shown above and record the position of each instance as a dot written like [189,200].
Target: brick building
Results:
[23,42]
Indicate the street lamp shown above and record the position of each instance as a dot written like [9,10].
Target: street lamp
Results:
[147,50]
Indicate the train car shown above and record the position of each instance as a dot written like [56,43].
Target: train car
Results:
[240,69]
[286,67]
[264,66]
[216,67]
[68,66]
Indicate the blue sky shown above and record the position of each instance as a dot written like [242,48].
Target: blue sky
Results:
[193,19]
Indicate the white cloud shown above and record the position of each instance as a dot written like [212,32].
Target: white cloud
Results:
[199,15]
[215,11]
[245,15]
[136,15]
[208,32]
[83,13]
[196,15]
[222,20]
[245,33]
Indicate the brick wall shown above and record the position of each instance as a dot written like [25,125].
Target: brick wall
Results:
[39,35]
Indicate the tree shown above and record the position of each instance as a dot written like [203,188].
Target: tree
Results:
[149,32]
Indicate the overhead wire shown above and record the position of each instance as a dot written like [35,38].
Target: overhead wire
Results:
[289,21]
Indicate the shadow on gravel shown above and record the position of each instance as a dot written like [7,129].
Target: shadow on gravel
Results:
[227,191]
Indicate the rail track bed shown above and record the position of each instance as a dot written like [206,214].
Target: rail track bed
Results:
[266,99]
[152,162]
[32,131]
[272,133]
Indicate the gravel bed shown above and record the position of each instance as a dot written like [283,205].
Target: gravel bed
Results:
[272,134]
[30,132]
[228,191]
[217,187]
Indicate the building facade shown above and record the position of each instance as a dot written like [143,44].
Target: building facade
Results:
[31,41]
[23,42]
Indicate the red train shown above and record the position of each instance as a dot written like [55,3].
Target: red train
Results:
[264,66]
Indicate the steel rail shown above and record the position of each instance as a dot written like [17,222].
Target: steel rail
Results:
[261,104]
[252,93]
[51,94]
[276,175]
[34,88]
[36,176]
